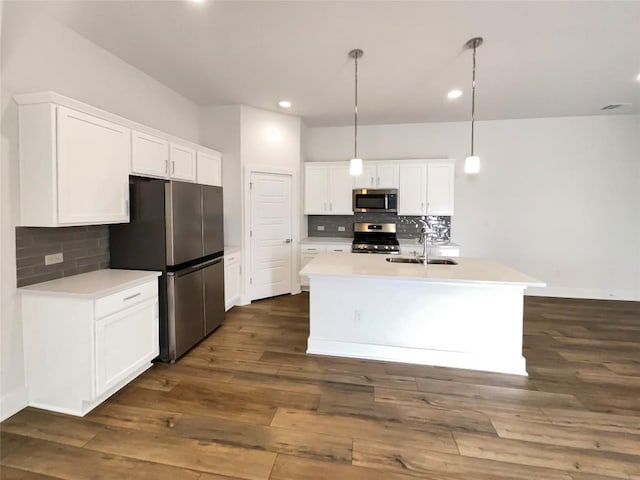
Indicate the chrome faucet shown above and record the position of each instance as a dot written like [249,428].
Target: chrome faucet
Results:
[424,237]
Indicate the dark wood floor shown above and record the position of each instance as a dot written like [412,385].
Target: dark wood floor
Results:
[248,403]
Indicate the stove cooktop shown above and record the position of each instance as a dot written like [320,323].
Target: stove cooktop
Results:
[375,238]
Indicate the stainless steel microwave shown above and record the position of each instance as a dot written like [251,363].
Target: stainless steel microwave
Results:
[378,200]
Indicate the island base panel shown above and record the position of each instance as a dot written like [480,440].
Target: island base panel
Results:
[471,326]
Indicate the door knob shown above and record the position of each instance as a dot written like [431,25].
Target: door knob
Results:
[287,240]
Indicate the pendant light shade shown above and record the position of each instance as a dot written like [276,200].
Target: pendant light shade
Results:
[355,166]
[472,162]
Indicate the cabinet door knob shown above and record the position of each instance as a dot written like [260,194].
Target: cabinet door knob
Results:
[287,240]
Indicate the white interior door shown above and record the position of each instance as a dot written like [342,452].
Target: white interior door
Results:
[271,244]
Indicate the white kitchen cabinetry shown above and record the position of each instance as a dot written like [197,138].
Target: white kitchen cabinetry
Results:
[232,279]
[328,189]
[383,175]
[149,155]
[87,336]
[426,188]
[209,169]
[308,251]
[182,162]
[440,178]
[74,167]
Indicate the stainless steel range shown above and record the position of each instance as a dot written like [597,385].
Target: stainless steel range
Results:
[375,238]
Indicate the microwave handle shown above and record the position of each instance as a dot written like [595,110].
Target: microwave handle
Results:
[386,202]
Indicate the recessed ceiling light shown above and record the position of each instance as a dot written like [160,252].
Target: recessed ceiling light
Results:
[198,1]
[454,93]
[284,103]
[638,78]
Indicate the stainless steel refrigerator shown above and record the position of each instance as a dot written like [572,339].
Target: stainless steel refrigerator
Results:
[176,228]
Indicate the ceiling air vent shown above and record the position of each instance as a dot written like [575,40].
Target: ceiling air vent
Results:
[613,106]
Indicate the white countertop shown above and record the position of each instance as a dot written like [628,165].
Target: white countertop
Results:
[469,270]
[92,285]
[231,250]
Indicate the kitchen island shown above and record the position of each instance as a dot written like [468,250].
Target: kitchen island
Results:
[468,315]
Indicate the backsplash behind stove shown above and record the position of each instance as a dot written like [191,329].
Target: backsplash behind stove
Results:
[406,227]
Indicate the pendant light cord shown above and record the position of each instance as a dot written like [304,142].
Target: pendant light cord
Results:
[473,95]
[355,122]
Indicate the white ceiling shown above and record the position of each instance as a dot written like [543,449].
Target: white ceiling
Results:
[539,59]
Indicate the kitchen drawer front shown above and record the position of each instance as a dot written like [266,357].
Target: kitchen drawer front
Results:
[126,298]
[231,259]
[338,248]
[313,248]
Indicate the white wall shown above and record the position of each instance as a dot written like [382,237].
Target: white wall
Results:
[40,55]
[220,126]
[557,198]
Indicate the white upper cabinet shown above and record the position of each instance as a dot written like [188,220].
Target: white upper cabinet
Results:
[209,169]
[426,188]
[316,185]
[440,178]
[378,175]
[340,190]
[328,189]
[182,162]
[368,177]
[412,192]
[387,175]
[74,167]
[149,155]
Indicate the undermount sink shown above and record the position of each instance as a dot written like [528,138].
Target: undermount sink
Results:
[431,261]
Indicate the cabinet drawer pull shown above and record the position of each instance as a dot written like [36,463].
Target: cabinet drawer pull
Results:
[131,297]
[338,250]
[311,248]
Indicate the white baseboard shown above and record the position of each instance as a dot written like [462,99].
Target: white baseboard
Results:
[584,293]
[436,358]
[12,402]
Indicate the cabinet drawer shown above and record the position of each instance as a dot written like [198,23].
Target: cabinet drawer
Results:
[231,259]
[126,298]
[313,248]
[338,248]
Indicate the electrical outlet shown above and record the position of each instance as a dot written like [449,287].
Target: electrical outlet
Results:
[53,258]
[341,229]
[321,228]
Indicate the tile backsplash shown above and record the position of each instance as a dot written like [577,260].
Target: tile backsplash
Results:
[407,227]
[84,249]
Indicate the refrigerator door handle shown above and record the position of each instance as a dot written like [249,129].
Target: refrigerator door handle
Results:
[195,268]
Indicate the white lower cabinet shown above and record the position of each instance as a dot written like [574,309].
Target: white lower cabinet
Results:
[123,343]
[80,349]
[232,280]
[308,251]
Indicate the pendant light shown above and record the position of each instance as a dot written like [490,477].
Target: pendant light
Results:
[355,165]
[472,162]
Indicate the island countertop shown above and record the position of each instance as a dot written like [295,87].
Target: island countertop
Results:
[469,270]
